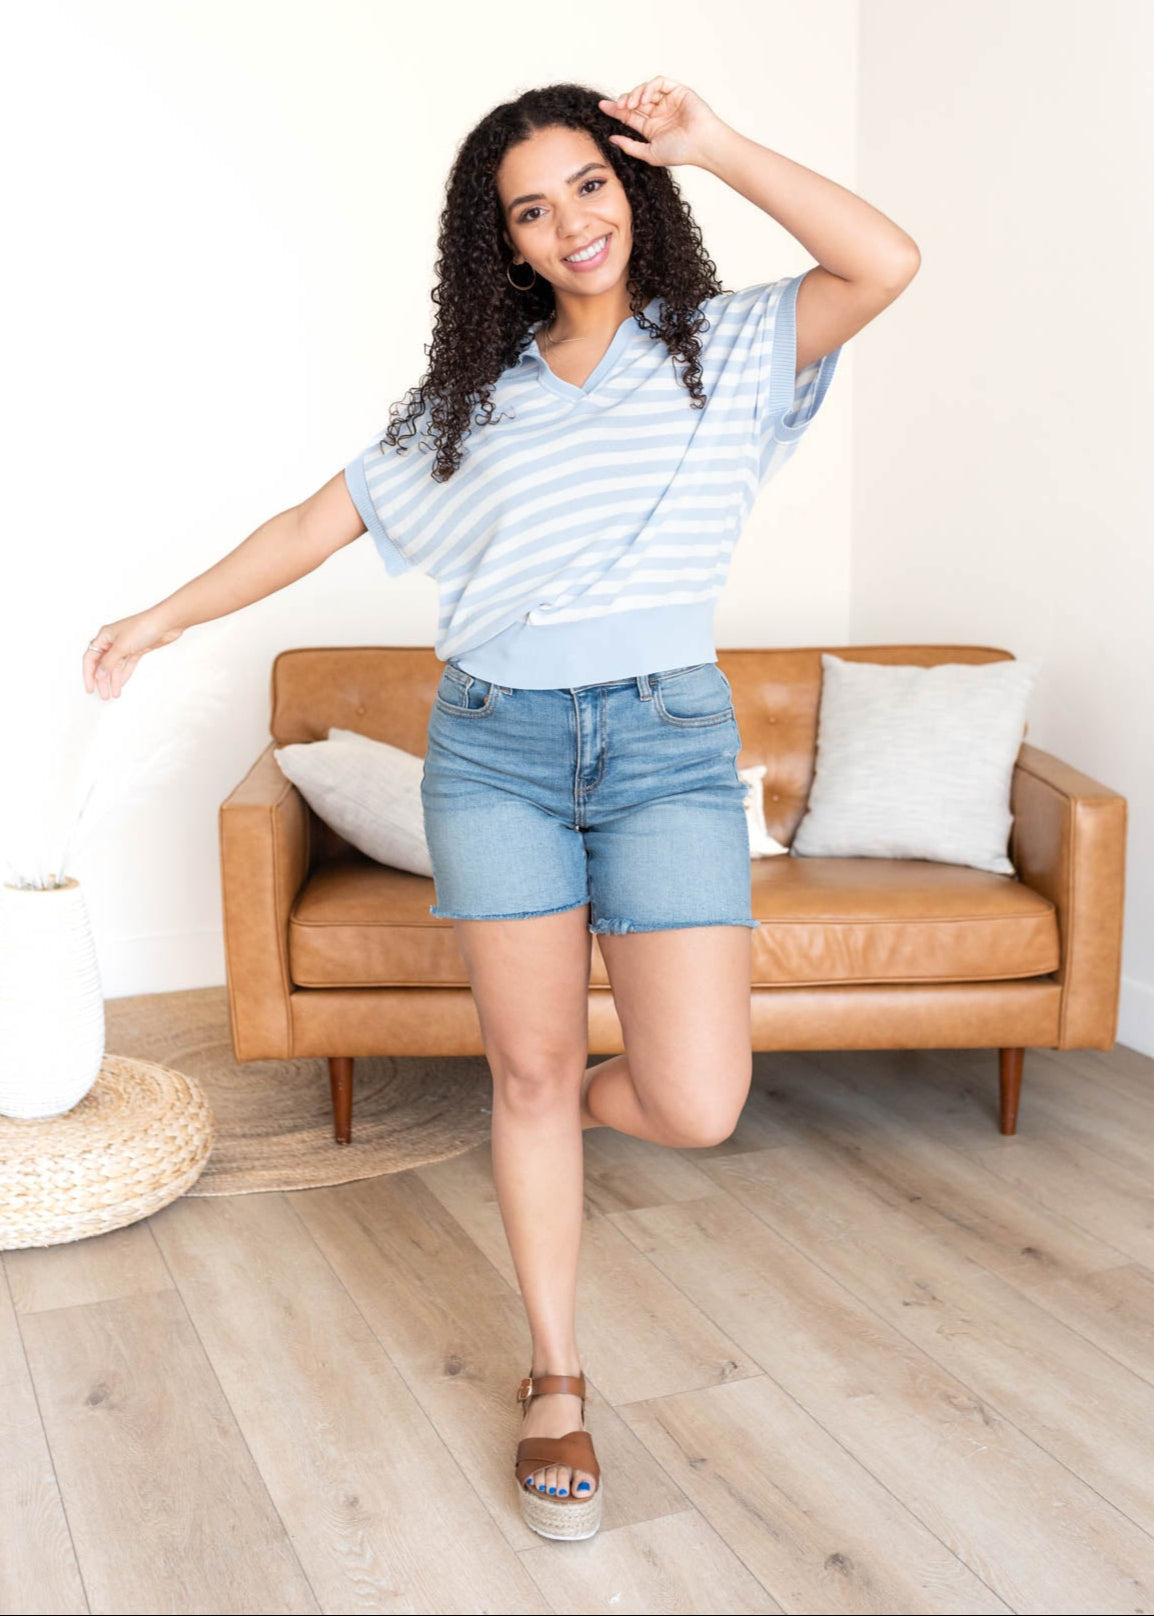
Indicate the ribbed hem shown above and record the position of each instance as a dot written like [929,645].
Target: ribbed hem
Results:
[592,650]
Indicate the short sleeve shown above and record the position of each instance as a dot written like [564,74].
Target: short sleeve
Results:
[785,404]
[385,485]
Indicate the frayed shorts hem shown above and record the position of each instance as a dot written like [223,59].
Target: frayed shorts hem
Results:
[597,927]
[520,914]
[616,927]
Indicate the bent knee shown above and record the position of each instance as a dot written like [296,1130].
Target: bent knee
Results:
[708,1115]
[699,1132]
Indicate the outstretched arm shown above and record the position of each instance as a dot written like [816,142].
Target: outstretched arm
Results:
[276,554]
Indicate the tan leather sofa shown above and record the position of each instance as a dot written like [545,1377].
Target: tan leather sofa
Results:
[330,954]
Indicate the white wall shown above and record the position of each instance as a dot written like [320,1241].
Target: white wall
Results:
[231,214]
[1003,491]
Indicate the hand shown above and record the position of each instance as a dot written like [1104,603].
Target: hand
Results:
[110,660]
[676,123]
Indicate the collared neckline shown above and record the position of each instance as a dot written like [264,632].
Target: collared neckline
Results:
[626,332]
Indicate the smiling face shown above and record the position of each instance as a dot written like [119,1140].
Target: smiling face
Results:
[560,196]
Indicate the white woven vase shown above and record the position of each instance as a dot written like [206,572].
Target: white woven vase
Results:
[51,1006]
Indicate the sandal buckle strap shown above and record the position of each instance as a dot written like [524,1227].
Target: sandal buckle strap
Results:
[530,1387]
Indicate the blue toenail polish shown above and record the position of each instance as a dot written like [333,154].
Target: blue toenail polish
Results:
[552,1489]
[564,1492]
[582,1486]
[540,1486]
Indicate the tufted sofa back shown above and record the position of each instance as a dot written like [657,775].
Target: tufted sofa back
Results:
[386,691]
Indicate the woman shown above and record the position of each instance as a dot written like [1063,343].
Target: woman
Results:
[574,469]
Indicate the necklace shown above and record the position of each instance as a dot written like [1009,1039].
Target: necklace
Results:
[557,342]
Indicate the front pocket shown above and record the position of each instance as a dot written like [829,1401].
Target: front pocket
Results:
[464,694]
[694,697]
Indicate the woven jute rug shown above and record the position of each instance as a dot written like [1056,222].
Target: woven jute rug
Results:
[274,1121]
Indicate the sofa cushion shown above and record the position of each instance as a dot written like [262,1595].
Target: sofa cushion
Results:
[896,920]
[357,923]
[360,924]
[761,843]
[916,763]
[366,790]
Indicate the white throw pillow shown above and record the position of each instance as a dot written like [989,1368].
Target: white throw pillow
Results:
[916,763]
[761,843]
[367,790]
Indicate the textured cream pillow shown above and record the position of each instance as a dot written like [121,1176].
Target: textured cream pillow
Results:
[761,843]
[916,763]
[367,790]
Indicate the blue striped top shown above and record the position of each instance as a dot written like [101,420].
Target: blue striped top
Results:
[588,531]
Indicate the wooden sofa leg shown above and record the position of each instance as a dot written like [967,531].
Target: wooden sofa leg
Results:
[341,1083]
[1010,1085]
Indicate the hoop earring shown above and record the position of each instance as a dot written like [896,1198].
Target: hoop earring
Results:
[513,283]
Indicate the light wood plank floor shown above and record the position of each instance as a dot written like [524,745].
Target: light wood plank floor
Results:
[865,1356]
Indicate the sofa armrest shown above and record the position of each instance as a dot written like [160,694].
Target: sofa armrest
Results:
[1068,842]
[264,861]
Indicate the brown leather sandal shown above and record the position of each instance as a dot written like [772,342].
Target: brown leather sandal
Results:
[570,1517]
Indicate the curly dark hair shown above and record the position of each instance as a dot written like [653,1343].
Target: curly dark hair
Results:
[483,323]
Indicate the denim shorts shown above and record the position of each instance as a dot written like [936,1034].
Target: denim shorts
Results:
[623,795]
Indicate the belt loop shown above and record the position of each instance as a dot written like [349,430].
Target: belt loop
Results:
[643,687]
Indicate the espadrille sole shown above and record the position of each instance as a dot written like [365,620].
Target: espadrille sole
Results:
[564,1519]
[566,1522]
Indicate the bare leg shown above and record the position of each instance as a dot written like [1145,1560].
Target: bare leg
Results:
[530,981]
[682,997]
[683,1000]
